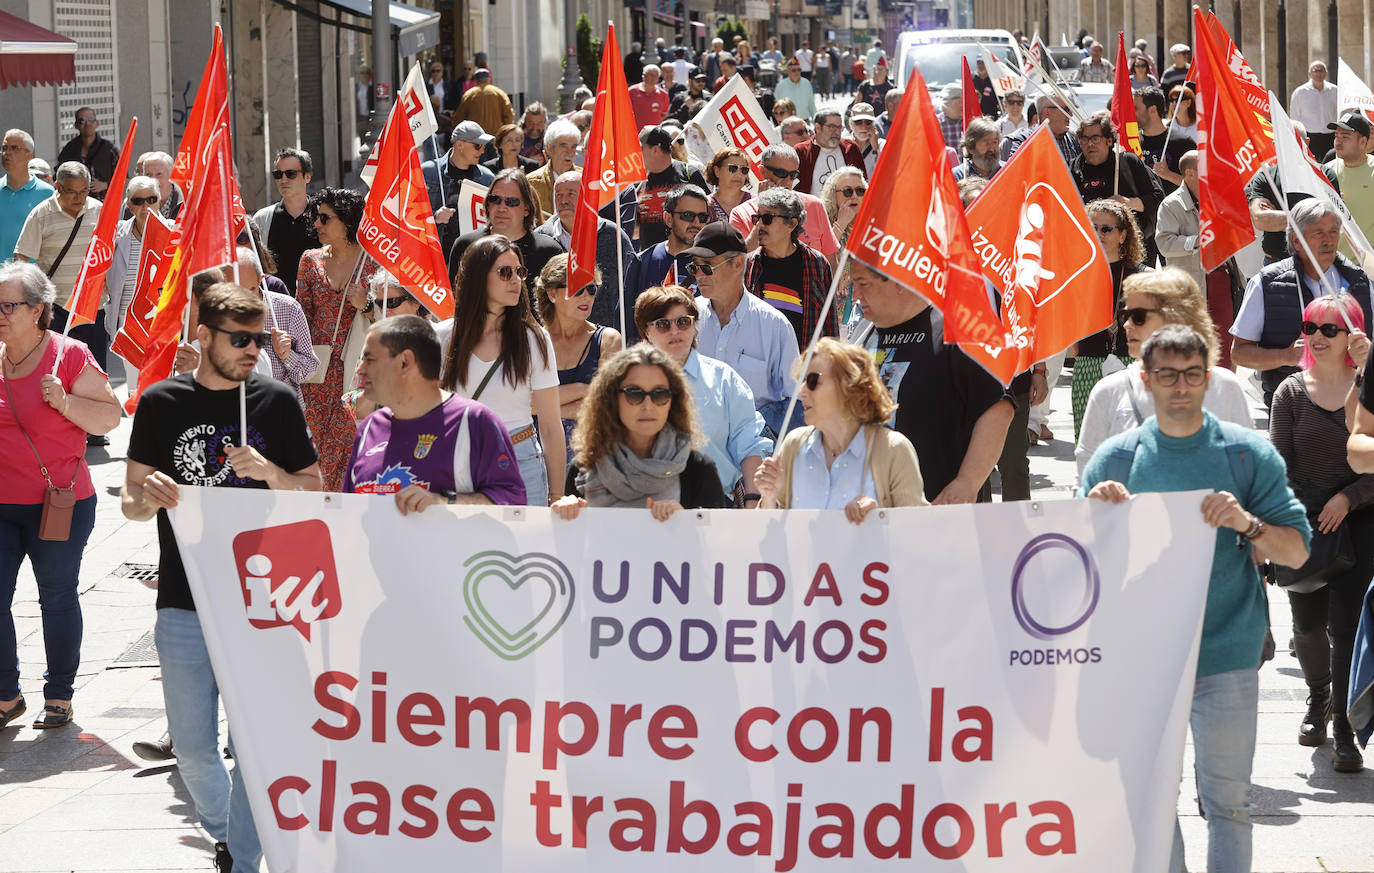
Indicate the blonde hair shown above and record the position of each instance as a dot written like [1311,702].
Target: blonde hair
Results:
[865,397]
[1180,301]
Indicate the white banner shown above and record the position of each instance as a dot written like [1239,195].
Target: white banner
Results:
[1351,91]
[1002,686]
[733,117]
[472,206]
[1004,78]
[414,101]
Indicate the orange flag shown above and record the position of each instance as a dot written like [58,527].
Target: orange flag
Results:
[397,228]
[210,110]
[1052,294]
[1227,152]
[972,106]
[160,241]
[84,302]
[1123,101]
[165,329]
[917,234]
[208,224]
[1251,88]
[619,160]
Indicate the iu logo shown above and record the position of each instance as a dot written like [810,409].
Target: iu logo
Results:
[1073,249]
[288,575]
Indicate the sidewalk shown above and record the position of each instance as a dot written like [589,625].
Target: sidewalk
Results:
[78,799]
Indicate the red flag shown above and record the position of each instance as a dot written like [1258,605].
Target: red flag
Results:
[208,113]
[160,241]
[1123,101]
[397,228]
[618,161]
[972,107]
[917,235]
[208,225]
[84,302]
[166,328]
[1227,154]
[1052,294]
[1251,88]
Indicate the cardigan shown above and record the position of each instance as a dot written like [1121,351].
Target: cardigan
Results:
[891,461]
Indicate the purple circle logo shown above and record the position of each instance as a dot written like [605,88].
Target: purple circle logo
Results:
[1091,585]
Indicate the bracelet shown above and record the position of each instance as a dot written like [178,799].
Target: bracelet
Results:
[1257,528]
[752,496]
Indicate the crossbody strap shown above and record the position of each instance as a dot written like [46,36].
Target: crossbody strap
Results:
[41,466]
[57,262]
[343,298]
[491,371]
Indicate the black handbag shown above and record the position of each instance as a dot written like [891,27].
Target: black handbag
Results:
[1329,555]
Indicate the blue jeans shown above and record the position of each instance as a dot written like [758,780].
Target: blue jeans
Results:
[56,566]
[191,696]
[529,455]
[1223,719]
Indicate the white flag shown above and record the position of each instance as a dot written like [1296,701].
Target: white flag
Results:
[735,119]
[472,206]
[1004,78]
[414,101]
[1351,92]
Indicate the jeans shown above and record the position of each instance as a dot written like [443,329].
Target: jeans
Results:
[1223,719]
[191,696]
[56,566]
[529,455]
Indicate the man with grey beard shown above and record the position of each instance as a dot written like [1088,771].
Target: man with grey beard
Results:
[980,143]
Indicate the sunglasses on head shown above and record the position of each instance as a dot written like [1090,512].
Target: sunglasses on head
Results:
[682,322]
[512,202]
[812,380]
[1137,315]
[290,174]
[506,272]
[689,216]
[635,395]
[1328,330]
[240,339]
[781,173]
[143,201]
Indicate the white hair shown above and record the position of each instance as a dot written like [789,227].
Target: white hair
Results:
[141,183]
[22,134]
[558,129]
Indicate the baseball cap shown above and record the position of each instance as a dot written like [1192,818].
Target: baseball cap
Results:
[482,73]
[1353,121]
[860,111]
[717,238]
[696,73]
[1180,48]
[471,131]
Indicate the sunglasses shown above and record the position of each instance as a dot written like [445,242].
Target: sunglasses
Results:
[812,380]
[82,122]
[862,122]
[1014,102]
[324,217]
[635,395]
[851,192]
[734,168]
[290,174]
[781,173]
[682,322]
[706,269]
[1136,316]
[589,290]
[1328,330]
[240,339]
[1106,228]
[697,217]
[766,218]
[393,302]
[512,202]
[143,201]
[506,272]
[1168,376]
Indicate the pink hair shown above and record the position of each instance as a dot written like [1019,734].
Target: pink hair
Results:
[1326,305]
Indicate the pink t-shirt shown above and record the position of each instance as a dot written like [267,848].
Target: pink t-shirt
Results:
[816,233]
[649,109]
[61,444]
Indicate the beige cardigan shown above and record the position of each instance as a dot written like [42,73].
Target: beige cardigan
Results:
[891,460]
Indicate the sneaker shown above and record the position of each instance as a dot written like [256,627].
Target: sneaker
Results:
[224,862]
[158,751]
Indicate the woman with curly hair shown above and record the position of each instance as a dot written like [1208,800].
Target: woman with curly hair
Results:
[636,441]
[1105,352]
[728,175]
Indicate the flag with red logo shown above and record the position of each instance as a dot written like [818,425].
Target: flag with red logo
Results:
[397,228]
[209,225]
[413,98]
[1251,88]
[208,113]
[165,328]
[614,158]
[732,118]
[1123,101]
[84,302]
[972,108]
[1227,154]
[1052,293]
[1037,54]
[917,234]
[160,242]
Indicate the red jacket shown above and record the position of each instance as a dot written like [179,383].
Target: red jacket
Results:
[809,151]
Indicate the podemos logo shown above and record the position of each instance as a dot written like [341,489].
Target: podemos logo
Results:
[288,575]
[515,604]
[1042,598]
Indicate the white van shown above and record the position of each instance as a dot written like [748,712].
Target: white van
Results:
[938,52]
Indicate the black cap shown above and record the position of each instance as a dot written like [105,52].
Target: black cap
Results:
[696,73]
[1353,121]
[716,238]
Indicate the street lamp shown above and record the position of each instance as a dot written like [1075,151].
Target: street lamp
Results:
[572,76]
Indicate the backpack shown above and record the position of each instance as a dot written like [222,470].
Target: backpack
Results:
[1238,454]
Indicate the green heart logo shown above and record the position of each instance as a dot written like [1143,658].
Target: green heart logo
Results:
[516,603]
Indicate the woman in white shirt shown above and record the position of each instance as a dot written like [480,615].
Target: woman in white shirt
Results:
[1120,402]
[497,354]
[141,197]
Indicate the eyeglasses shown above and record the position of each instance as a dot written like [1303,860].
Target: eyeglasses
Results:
[290,174]
[852,192]
[1091,138]
[1136,315]
[635,395]
[1168,376]
[1328,330]
[13,148]
[393,302]
[505,273]
[766,218]
[7,306]
[82,122]
[693,217]
[706,269]
[781,173]
[734,168]
[240,339]
[72,192]
[143,201]
[682,322]
[1106,228]
[812,380]
[512,202]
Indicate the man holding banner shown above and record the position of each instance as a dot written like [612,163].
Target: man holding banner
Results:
[188,430]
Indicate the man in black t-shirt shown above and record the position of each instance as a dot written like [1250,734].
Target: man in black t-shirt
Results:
[1104,171]
[1360,449]
[952,411]
[1161,145]
[187,431]
[665,174]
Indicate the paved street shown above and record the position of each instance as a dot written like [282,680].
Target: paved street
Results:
[78,799]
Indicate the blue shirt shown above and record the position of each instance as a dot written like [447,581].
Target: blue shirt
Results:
[15,206]
[1237,612]
[759,344]
[725,408]
[815,487]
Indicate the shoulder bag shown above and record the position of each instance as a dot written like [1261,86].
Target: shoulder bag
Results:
[324,351]
[1329,555]
[57,262]
[58,503]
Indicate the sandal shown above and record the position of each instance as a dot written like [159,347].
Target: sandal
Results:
[53,717]
[9,715]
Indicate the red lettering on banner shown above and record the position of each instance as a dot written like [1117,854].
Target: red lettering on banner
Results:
[679,810]
[970,743]
[823,585]
[553,731]
[879,585]
[878,717]
[1061,826]
[274,793]
[352,720]
[744,132]
[659,732]
[962,821]
[458,816]
[995,816]
[407,719]
[378,810]
[583,808]
[842,830]
[491,711]
[544,801]
[761,829]
[645,821]
[429,819]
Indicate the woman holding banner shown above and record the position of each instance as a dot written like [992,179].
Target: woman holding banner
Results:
[635,443]
[47,502]
[331,287]
[497,353]
[728,175]
[846,458]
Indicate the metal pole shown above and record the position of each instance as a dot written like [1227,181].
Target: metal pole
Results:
[1281,23]
[572,76]
[1160,55]
[1235,21]
[1333,40]
[648,54]
[383,64]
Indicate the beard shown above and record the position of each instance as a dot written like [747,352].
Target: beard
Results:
[984,163]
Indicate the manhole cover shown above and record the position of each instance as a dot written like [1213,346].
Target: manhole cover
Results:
[143,653]
[145,573]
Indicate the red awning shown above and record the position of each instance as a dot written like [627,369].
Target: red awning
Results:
[33,55]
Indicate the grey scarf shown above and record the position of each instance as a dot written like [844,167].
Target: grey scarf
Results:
[622,478]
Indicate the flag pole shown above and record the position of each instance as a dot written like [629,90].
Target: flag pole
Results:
[1326,283]
[1116,170]
[619,259]
[439,169]
[811,346]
